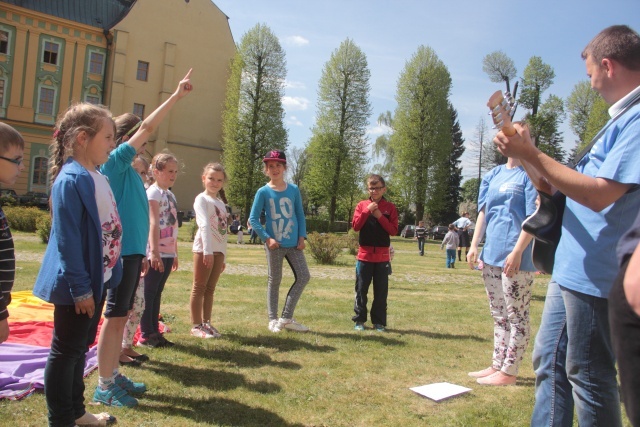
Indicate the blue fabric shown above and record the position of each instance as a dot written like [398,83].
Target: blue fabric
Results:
[72,266]
[131,198]
[586,255]
[285,216]
[573,326]
[508,198]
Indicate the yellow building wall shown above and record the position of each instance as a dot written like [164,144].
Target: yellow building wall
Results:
[174,36]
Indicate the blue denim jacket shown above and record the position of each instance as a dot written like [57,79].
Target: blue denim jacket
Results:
[72,266]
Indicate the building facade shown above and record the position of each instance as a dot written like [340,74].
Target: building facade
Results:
[128,55]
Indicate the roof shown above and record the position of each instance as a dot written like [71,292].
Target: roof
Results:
[96,13]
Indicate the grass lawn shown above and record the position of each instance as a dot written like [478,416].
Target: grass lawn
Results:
[439,328]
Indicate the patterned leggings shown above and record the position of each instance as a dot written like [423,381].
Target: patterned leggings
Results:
[298,264]
[134,316]
[509,300]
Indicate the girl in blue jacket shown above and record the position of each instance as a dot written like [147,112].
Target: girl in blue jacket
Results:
[82,259]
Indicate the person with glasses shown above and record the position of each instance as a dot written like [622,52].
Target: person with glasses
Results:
[11,151]
[377,220]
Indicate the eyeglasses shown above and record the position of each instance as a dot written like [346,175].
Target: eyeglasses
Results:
[16,162]
[372,189]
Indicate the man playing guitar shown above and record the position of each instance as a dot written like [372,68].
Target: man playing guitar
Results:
[573,356]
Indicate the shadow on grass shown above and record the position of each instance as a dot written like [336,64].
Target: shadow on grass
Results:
[438,336]
[237,357]
[526,381]
[368,334]
[541,298]
[282,342]
[189,376]
[214,411]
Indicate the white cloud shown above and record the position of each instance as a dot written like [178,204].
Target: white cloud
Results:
[378,130]
[290,84]
[296,41]
[293,121]
[295,103]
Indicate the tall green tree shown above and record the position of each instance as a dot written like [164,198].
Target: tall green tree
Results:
[422,129]
[578,106]
[337,148]
[537,78]
[544,127]
[500,68]
[383,146]
[253,118]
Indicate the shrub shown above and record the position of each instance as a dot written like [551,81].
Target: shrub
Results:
[351,241]
[7,200]
[193,228]
[322,226]
[325,248]
[43,227]
[24,218]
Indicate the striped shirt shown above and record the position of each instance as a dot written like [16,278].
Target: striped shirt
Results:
[7,265]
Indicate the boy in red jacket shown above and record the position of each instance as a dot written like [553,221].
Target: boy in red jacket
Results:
[376,219]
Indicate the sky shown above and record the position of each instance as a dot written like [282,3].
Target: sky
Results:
[461,32]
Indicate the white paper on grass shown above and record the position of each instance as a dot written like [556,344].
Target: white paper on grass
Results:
[440,391]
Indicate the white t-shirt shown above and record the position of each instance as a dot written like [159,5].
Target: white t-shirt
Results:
[168,220]
[110,223]
[211,217]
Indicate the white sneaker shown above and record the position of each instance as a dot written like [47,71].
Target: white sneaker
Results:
[292,325]
[200,332]
[274,325]
[213,331]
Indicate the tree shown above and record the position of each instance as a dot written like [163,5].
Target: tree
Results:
[500,68]
[470,190]
[383,146]
[337,148]
[598,117]
[544,127]
[537,78]
[253,118]
[422,129]
[579,105]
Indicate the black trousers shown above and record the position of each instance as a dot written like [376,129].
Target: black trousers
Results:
[365,273]
[625,335]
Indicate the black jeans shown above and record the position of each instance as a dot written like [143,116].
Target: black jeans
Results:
[365,273]
[63,375]
[153,286]
[120,298]
[625,335]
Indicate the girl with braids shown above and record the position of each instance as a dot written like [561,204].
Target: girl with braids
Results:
[131,138]
[162,248]
[82,259]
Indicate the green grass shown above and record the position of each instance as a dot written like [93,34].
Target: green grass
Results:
[439,328]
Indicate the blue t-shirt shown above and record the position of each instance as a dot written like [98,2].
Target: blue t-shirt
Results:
[285,216]
[131,198]
[586,255]
[462,222]
[508,198]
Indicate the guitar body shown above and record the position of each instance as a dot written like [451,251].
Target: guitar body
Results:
[546,226]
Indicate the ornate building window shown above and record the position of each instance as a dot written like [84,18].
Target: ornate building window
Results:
[40,171]
[96,62]
[50,52]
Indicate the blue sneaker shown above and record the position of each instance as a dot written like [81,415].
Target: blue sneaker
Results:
[379,328]
[359,326]
[129,386]
[114,396]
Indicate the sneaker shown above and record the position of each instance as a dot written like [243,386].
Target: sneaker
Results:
[483,373]
[213,331]
[151,342]
[201,332]
[292,325]
[129,386]
[379,328]
[114,396]
[497,379]
[164,342]
[359,326]
[274,325]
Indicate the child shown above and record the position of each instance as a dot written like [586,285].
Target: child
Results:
[377,220]
[209,249]
[451,241]
[11,152]
[420,235]
[236,228]
[162,248]
[82,259]
[128,356]
[284,236]
[131,138]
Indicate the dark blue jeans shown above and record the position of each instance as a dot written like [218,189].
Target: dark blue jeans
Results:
[421,245]
[378,272]
[153,286]
[63,375]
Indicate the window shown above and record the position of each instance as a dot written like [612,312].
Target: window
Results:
[138,110]
[143,71]
[96,62]
[45,103]
[39,176]
[1,92]
[92,99]
[4,42]
[50,54]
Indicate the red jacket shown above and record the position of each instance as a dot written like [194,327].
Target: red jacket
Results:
[375,232]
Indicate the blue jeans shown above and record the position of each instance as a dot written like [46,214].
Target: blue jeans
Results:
[154,282]
[451,258]
[574,363]
[421,245]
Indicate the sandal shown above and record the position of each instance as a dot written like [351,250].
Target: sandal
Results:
[95,420]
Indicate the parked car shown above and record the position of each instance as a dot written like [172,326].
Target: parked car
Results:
[190,215]
[438,232]
[8,192]
[408,231]
[34,198]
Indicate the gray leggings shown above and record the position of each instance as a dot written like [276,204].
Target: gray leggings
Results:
[298,265]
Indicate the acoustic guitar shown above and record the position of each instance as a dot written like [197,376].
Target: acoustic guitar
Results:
[545,224]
